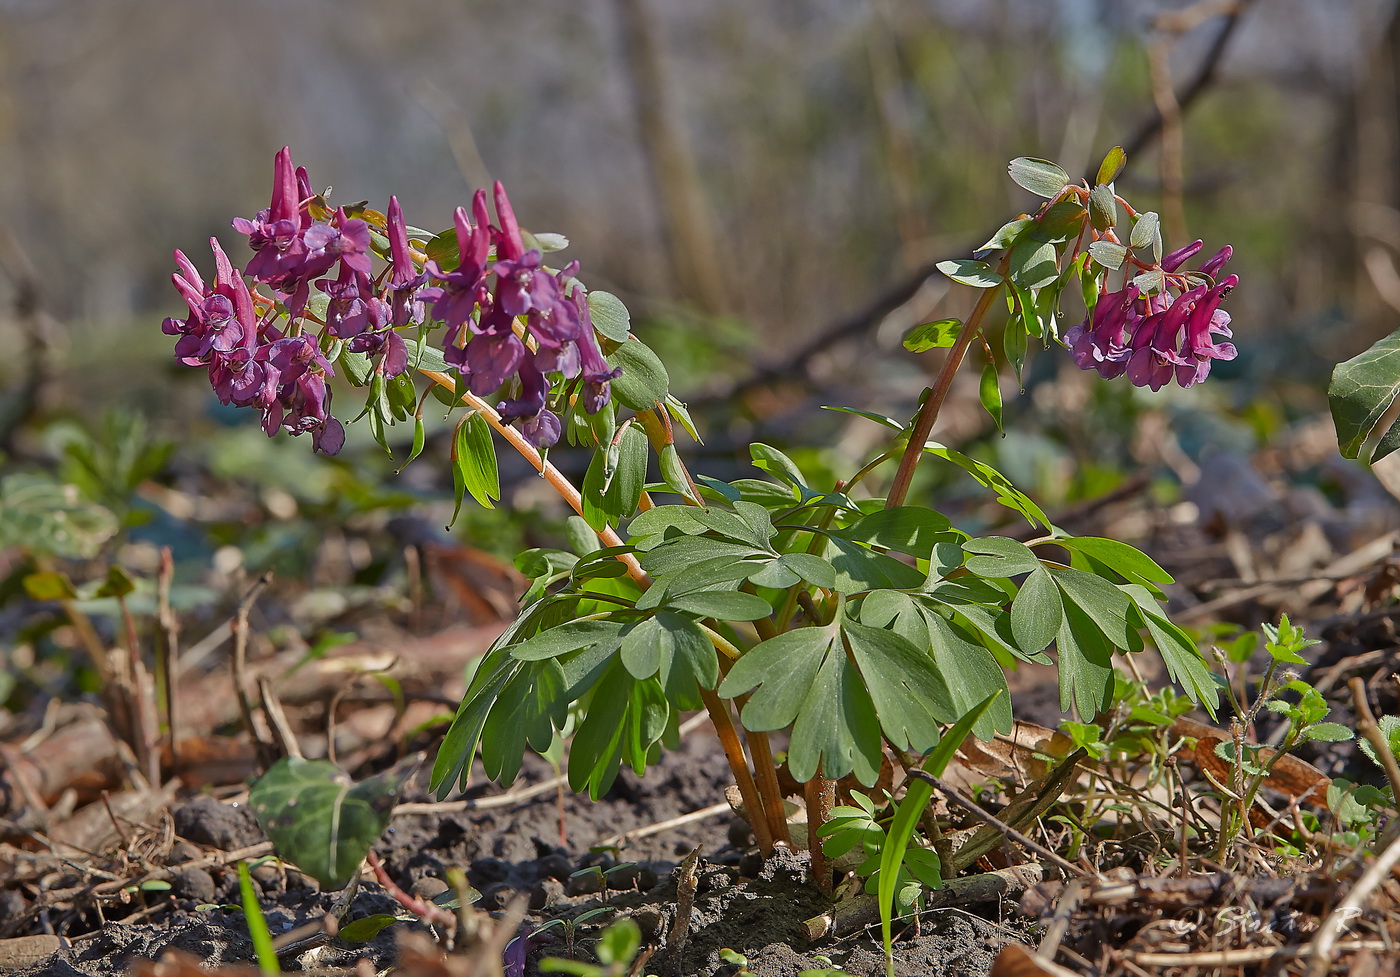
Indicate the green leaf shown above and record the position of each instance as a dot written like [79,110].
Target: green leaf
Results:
[1007,494]
[1013,337]
[882,419]
[567,637]
[1110,254]
[1063,221]
[630,476]
[1362,390]
[774,462]
[1112,165]
[999,556]
[1327,733]
[1037,612]
[1007,234]
[443,249]
[971,673]
[319,819]
[47,516]
[910,695]
[723,605]
[644,383]
[610,317]
[474,464]
[837,730]
[528,709]
[911,529]
[779,672]
[366,928]
[1103,209]
[859,569]
[50,585]
[933,335]
[257,924]
[906,817]
[966,271]
[990,393]
[1033,264]
[1151,282]
[1084,662]
[1040,176]
[1128,561]
[117,584]
[618,944]
[1147,233]
[454,759]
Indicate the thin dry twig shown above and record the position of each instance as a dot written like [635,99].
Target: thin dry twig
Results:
[240,664]
[1325,943]
[622,837]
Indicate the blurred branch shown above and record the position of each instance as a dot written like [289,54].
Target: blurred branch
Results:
[29,316]
[1180,22]
[695,261]
[795,365]
[458,131]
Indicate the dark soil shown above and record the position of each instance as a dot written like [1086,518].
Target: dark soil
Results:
[742,903]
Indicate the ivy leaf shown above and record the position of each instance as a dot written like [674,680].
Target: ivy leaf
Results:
[320,819]
[933,335]
[1040,176]
[1361,391]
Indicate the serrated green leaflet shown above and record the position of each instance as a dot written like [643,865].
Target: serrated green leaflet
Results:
[1362,390]
[322,821]
[932,335]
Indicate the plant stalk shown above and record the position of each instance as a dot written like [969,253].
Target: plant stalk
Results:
[820,795]
[739,766]
[933,403]
[557,480]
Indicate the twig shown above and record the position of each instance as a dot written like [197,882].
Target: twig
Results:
[428,911]
[1242,955]
[1369,728]
[285,739]
[508,799]
[820,795]
[1196,87]
[557,480]
[167,650]
[686,886]
[240,664]
[1349,908]
[622,837]
[739,766]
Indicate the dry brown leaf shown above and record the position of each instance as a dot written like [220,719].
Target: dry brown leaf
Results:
[1015,960]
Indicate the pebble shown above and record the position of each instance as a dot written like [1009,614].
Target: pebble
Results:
[650,922]
[495,896]
[546,892]
[554,867]
[584,885]
[194,883]
[740,834]
[429,887]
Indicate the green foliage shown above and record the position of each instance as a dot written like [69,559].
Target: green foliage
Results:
[1362,390]
[322,821]
[257,924]
[616,948]
[44,515]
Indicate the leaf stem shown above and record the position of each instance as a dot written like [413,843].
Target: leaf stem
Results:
[557,480]
[933,403]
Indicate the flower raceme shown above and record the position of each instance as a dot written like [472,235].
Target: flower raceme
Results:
[513,326]
[1154,339]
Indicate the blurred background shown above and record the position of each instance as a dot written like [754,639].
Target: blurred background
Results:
[766,185]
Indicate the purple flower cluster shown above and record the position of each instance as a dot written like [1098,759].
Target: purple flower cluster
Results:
[1155,339]
[482,342]
[273,363]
